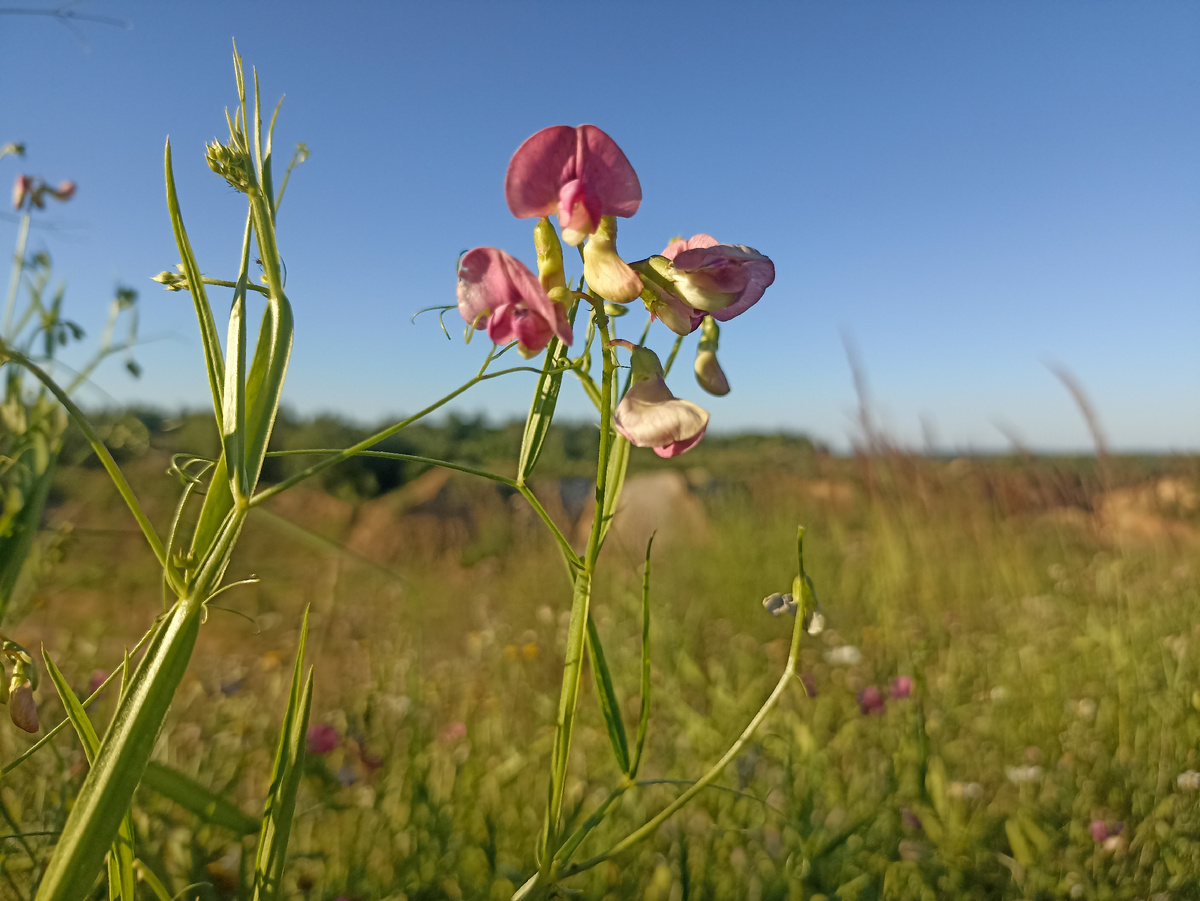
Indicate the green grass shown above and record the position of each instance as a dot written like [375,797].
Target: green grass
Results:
[1033,640]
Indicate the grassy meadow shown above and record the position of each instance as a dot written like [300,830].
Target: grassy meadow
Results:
[1045,744]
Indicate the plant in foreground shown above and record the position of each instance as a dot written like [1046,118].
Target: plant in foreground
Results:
[580,174]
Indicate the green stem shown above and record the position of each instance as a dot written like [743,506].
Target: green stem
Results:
[14,282]
[563,544]
[717,768]
[577,633]
[110,465]
[366,443]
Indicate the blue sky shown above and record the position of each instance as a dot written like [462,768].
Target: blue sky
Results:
[968,191]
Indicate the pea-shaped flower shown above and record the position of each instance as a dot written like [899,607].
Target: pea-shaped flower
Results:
[579,173]
[500,294]
[649,415]
[722,279]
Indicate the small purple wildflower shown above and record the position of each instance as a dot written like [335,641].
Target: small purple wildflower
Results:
[901,687]
[322,738]
[870,700]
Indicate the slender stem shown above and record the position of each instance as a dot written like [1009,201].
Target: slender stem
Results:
[222,283]
[14,282]
[700,784]
[563,544]
[391,430]
[573,665]
[110,465]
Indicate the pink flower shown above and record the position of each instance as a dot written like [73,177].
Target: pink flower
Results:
[870,700]
[649,415]
[901,687]
[501,294]
[21,188]
[64,191]
[453,732]
[97,679]
[579,173]
[722,279]
[1099,830]
[322,738]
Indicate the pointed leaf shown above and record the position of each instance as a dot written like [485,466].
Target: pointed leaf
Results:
[194,797]
[285,781]
[104,799]
[644,713]
[609,706]
[121,882]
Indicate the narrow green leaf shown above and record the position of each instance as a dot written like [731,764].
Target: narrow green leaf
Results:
[618,464]
[644,713]
[264,383]
[233,421]
[541,413]
[146,875]
[121,883]
[195,798]
[121,759]
[285,781]
[607,696]
[209,338]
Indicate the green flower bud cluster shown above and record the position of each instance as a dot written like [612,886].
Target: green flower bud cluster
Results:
[172,281]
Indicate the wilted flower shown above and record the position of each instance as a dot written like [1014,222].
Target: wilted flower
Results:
[21,706]
[649,415]
[322,738]
[870,700]
[606,273]
[500,294]
[722,279]
[901,687]
[778,603]
[579,173]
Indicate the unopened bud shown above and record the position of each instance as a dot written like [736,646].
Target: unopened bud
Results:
[172,281]
[606,273]
[232,165]
[709,374]
[21,706]
[549,256]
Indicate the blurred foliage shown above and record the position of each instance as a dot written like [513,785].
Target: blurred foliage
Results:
[1045,609]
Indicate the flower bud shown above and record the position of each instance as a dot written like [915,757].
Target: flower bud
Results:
[549,255]
[22,188]
[21,706]
[231,164]
[172,281]
[709,374]
[64,191]
[606,273]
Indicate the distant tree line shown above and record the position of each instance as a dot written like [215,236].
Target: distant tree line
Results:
[471,440]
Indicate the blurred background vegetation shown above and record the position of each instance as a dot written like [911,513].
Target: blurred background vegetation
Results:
[1044,609]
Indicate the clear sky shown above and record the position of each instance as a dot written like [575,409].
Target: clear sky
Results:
[968,191]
